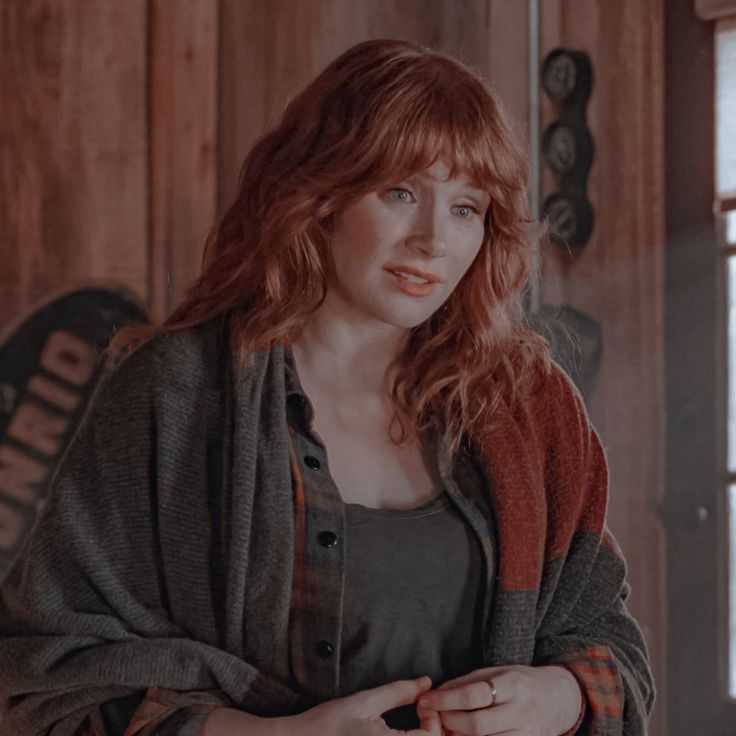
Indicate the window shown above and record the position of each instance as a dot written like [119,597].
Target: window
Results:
[725,119]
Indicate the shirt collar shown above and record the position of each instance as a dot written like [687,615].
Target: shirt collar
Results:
[298,405]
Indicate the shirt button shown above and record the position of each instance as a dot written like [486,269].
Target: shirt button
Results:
[311,462]
[324,649]
[304,406]
[327,539]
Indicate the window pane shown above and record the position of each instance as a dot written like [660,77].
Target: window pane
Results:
[731,297]
[732,590]
[726,111]
[731,227]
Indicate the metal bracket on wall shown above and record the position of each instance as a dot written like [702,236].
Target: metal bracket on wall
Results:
[567,147]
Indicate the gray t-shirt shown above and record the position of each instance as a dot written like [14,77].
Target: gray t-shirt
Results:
[413,593]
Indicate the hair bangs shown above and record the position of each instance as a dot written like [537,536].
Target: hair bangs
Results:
[458,124]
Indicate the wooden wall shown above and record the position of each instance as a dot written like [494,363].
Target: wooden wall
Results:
[123,131]
[74,132]
[618,279]
[268,56]
[184,162]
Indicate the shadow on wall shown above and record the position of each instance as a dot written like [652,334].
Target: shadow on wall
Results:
[576,341]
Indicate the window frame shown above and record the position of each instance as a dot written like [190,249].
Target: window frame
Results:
[724,204]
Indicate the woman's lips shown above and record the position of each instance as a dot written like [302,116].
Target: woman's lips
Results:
[412,271]
[410,288]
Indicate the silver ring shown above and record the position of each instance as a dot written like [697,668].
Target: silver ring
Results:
[493,693]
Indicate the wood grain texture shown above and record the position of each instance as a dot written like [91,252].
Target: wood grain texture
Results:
[74,143]
[269,52]
[507,41]
[618,279]
[183,100]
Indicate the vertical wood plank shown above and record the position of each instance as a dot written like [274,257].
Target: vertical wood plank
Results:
[618,278]
[696,506]
[508,58]
[269,53]
[73,154]
[265,55]
[183,99]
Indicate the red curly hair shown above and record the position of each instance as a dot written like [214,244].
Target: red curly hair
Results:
[383,110]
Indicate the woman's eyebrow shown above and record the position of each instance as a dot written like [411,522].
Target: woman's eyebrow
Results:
[476,193]
[467,187]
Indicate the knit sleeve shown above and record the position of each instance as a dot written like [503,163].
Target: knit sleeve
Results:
[585,624]
[84,611]
[608,657]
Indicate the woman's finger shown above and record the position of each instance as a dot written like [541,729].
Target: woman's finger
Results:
[487,673]
[429,724]
[501,719]
[470,696]
[380,699]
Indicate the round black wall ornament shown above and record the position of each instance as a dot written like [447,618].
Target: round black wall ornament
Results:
[567,147]
[567,76]
[570,217]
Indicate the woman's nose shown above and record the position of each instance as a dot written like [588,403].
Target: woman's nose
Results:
[428,235]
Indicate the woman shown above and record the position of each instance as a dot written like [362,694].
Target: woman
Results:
[201,569]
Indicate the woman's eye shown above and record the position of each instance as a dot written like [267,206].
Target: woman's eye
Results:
[466,211]
[401,195]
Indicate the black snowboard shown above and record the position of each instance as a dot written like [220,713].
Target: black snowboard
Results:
[49,363]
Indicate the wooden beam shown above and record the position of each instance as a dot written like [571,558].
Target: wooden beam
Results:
[183,114]
[713,9]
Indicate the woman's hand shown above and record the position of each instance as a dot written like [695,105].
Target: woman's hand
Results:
[529,701]
[359,714]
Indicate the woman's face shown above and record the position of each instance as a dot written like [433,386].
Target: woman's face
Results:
[399,252]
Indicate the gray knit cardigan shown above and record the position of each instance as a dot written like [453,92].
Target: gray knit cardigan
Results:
[165,554]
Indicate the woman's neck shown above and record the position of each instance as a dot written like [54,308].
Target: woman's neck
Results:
[347,359]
